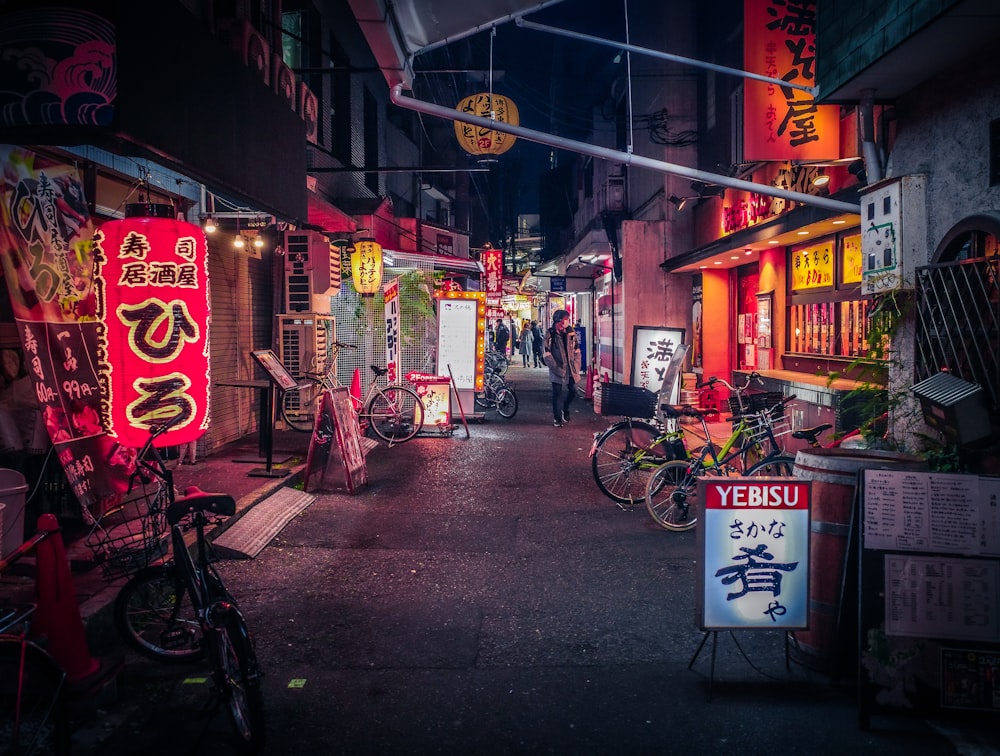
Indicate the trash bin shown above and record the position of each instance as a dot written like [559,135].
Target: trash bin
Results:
[435,392]
[12,491]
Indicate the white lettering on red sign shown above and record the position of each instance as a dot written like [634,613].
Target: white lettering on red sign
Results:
[774,495]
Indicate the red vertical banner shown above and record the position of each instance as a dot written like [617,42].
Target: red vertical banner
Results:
[492,260]
[781,122]
[48,258]
[155,305]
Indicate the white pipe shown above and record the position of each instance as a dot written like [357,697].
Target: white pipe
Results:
[812,91]
[396,94]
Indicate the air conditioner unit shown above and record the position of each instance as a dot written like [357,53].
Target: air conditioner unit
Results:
[256,52]
[312,273]
[309,112]
[283,80]
[304,345]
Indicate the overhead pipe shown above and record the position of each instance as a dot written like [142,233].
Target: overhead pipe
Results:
[451,114]
[869,149]
[810,90]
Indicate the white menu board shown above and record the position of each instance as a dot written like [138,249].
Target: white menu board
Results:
[457,331]
[931,512]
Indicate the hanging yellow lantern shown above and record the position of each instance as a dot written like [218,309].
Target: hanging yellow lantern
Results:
[479,140]
[366,267]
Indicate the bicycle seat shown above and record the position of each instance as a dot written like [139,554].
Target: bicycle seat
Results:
[379,371]
[810,434]
[195,500]
[672,413]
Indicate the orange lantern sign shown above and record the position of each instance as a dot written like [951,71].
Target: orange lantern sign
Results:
[479,140]
[156,307]
[366,267]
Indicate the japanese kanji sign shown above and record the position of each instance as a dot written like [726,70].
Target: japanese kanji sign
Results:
[653,348]
[392,329]
[754,547]
[781,122]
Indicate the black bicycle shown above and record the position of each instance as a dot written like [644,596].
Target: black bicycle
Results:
[181,611]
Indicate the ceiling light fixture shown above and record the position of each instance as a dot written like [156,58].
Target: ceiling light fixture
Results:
[821,179]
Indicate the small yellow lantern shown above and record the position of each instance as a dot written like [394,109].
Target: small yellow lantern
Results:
[366,267]
[478,140]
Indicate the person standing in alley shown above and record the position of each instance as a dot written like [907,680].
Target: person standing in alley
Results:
[501,338]
[537,343]
[525,343]
[561,353]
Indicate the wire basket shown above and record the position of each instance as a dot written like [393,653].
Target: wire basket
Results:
[132,535]
[758,402]
[622,399]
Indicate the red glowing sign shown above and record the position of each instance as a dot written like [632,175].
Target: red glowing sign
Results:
[781,122]
[156,308]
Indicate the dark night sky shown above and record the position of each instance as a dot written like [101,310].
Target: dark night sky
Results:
[550,78]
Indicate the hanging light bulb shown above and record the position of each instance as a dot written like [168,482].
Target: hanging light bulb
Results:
[239,242]
[258,241]
[209,226]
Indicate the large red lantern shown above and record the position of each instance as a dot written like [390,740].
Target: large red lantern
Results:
[479,140]
[156,308]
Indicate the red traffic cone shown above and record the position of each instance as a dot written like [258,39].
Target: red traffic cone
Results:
[57,615]
[589,389]
[356,386]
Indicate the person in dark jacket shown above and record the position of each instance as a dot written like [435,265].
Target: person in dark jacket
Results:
[537,343]
[501,338]
[561,353]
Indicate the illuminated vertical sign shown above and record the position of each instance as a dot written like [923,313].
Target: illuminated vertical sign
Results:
[781,122]
[754,546]
[155,306]
[392,329]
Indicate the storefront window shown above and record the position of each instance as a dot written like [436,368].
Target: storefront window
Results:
[827,314]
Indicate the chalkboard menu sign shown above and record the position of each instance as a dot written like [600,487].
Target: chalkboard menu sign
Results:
[336,459]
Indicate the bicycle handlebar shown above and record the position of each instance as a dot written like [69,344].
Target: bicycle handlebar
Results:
[752,376]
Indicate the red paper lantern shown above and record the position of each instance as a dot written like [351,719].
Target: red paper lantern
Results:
[156,308]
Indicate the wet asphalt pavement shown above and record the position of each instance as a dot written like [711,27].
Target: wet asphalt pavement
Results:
[481,596]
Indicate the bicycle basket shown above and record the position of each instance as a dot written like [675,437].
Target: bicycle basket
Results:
[132,535]
[630,401]
[758,402]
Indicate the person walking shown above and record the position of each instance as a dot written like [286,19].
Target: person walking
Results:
[537,343]
[525,343]
[562,357]
[501,338]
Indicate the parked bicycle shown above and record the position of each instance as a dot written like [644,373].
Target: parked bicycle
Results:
[624,455]
[394,411]
[498,393]
[671,488]
[181,611]
[33,717]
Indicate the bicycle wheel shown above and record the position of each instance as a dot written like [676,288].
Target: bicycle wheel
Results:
[298,408]
[621,461]
[33,717]
[506,403]
[396,414]
[670,495]
[772,467]
[237,678]
[155,616]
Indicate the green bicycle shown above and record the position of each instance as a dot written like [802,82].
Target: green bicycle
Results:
[623,456]
[671,489]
